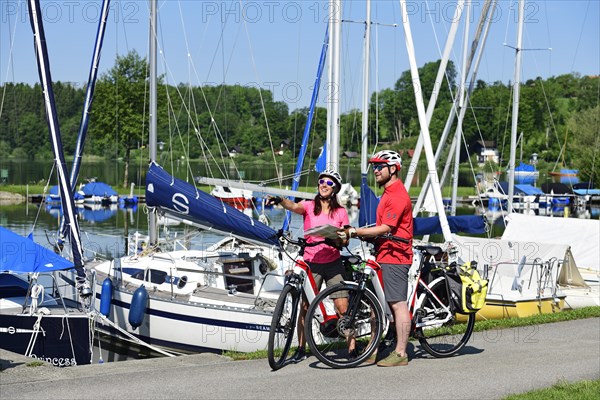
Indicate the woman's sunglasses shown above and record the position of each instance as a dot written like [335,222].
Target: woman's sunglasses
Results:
[378,167]
[325,181]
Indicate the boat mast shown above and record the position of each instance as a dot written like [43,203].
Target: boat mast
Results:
[515,107]
[437,193]
[435,93]
[152,138]
[365,100]
[462,104]
[66,192]
[89,96]
[333,114]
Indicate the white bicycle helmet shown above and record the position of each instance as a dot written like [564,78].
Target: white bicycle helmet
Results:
[388,157]
[333,174]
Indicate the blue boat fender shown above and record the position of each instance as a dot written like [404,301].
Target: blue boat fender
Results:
[106,297]
[137,311]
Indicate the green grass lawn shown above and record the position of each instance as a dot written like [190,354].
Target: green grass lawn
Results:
[563,391]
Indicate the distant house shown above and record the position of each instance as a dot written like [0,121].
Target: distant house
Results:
[350,154]
[283,146]
[235,150]
[486,151]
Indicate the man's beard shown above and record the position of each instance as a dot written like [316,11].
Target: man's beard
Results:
[382,184]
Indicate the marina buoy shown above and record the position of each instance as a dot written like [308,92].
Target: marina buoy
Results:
[106,297]
[137,311]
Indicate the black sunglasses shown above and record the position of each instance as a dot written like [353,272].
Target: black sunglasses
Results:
[378,167]
[329,183]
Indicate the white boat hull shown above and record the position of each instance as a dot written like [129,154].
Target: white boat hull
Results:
[193,327]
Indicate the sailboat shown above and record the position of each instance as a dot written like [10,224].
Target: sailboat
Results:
[219,298]
[37,324]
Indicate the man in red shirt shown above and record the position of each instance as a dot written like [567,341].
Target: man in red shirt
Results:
[394,216]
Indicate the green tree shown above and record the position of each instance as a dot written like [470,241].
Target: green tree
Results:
[584,130]
[119,123]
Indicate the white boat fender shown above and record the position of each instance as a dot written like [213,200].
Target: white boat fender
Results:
[106,297]
[137,311]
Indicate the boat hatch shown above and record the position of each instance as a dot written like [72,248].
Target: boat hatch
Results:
[241,268]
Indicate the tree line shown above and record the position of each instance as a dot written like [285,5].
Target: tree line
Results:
[558,117]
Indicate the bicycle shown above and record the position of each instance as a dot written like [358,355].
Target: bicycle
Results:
[431,306]
[285,315]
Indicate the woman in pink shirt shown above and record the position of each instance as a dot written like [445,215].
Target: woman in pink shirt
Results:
[324,260]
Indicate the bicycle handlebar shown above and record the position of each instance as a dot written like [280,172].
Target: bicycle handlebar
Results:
[302,242]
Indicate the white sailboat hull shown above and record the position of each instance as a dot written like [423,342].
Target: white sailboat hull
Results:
[192,326]
[212,300]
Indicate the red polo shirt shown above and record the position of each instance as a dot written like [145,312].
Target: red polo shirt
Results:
[395,210]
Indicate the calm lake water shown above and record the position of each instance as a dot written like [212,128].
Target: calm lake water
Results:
[35,172]
[104,229]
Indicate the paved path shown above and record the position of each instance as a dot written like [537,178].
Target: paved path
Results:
[494,363]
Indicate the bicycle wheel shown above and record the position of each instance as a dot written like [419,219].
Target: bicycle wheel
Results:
[327,336]
[440,339]
[283,326]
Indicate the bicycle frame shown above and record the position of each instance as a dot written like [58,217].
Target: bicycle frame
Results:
[374,271]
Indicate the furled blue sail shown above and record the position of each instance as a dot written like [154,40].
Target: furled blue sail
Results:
[19,254]
[183,201]
[321,163]
[368,204]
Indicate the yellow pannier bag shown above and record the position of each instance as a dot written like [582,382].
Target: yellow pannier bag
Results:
[474,288]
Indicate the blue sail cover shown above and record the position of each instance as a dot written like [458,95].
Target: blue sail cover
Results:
[522,189]
[523,167]
[473,224]
[184,201]
[98,189]
[22,255]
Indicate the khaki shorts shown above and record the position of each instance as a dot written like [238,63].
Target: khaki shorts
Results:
[332,273]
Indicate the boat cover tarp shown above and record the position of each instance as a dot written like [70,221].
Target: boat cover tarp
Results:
[556,188]
[510,262]
[523,167]
[585,188]
[582,235]
[98,189]
[19,254]
[521,189]
[183,201]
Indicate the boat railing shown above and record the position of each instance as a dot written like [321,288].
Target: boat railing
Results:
[542,274]
[58,292]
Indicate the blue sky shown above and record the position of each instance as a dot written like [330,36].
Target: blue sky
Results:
[276,44]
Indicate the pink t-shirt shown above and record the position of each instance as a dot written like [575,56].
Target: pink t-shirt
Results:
[322,253]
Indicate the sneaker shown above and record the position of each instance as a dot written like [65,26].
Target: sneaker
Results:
[299,355]
[393,360]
